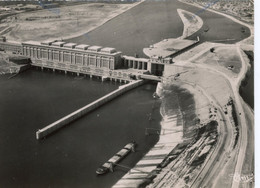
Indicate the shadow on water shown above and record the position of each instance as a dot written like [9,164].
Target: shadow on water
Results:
[70,157]
[246,89]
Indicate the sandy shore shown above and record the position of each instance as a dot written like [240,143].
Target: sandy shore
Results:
[105,21]
[192,23]
[68,22]
[247,43]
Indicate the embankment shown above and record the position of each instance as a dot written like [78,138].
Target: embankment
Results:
[175,127]
[86,109]
[11,65]
[246,89]
[192,23]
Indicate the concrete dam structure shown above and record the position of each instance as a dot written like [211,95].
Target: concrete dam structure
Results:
[41,133]
[104,62]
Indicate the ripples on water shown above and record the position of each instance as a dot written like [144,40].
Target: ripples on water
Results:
[70,157]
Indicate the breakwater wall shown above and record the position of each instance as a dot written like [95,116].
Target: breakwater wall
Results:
[86,109]
[186,48]
[24,68]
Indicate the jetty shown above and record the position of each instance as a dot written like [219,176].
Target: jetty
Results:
[86,109]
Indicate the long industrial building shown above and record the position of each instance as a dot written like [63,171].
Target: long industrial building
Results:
[85,59]
[72,54]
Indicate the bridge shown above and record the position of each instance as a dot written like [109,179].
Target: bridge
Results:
[151,77]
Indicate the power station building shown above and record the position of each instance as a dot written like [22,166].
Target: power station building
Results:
[70,54]
[85,59]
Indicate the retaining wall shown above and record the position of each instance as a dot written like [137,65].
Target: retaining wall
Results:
[84,110]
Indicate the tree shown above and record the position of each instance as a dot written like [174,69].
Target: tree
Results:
[212,50]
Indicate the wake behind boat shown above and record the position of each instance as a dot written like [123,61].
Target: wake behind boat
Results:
[116,158]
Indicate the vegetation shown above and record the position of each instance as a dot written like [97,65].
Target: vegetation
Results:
[234,115]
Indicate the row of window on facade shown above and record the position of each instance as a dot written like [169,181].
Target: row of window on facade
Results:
[79,59]
[12,48]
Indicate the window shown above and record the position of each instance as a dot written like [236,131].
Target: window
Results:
[92,60]
[66,57]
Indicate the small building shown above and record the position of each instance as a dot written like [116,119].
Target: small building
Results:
[156,64]
[11,46]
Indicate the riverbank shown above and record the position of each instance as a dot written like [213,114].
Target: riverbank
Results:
[184,103]
[192,23]
[243,10]
[178,112]
[225,81]
[66,22]
[12,64]
[246,88]
[248,42]
[36,98]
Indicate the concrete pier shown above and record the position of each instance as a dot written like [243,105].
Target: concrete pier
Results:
[104,78]
[84,110]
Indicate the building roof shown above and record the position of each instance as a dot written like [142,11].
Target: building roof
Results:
[135,58]
[32,42]
[70,45]
[59,43]
[108,50]
[94,48]
[82,46]
[48,42]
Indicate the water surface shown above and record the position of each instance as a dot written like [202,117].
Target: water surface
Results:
[153,21]
[69,157]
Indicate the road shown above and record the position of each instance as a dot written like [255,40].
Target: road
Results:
[243,131]
[219,158]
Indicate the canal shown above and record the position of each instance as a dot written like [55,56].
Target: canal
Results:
[70,157]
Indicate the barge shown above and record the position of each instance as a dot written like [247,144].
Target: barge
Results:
[116,158]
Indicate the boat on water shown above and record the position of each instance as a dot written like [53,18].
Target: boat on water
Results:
[116,158]
[206,29]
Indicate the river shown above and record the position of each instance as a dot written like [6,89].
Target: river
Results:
[70,157]
[153,21]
